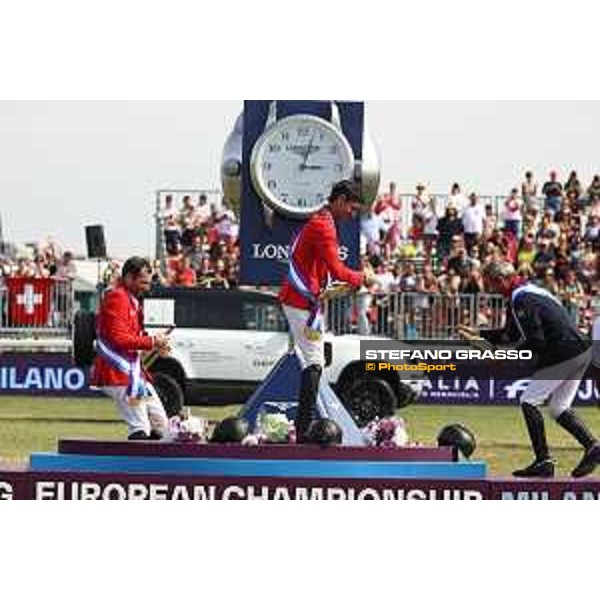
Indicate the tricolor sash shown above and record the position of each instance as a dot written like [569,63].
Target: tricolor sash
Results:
[314,324]
[132,368]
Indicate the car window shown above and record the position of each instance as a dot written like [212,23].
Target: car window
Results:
[207,311]
[261,316]
[204,310]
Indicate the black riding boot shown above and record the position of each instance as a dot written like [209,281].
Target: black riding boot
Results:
[570,422]
[309,388]
[542,466]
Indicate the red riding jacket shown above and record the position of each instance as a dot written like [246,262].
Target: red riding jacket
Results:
[120,324]
[315,256]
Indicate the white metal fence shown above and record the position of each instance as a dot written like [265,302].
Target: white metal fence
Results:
[413,315]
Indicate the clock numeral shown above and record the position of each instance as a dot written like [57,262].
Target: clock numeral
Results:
[303,131]
[267,166]
[285,135]
[338,167]
[320,198]
[272,184]
[301,203]
[274,148]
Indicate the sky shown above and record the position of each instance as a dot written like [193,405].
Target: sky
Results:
[67,164]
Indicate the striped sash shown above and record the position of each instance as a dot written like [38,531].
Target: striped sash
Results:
[132,368]
[314,324]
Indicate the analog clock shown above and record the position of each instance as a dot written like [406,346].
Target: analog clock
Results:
[296,161]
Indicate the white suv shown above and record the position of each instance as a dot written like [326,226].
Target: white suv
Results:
[225,342]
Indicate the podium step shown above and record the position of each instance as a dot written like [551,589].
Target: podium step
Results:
[257,468]
[270,451]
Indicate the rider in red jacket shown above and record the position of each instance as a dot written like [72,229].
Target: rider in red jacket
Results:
[120,339]
[314,263]
[120,323]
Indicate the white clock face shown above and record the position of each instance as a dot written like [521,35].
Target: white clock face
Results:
[296,161]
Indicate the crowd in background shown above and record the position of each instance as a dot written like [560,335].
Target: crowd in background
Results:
[416,242]
[43,259]
[550,231]
[201,243]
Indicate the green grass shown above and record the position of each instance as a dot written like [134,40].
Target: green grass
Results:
[33,425]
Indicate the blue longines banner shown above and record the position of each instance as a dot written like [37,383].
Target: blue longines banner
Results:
[47,374]
[264,251]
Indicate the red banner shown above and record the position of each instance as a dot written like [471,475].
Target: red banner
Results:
[36,485]
[29,301]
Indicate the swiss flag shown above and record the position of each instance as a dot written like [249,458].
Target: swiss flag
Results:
[29,301]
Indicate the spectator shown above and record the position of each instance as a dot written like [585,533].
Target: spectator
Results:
[588,263]
[592,231]
[416,231]
[512,213]
[226,225]
[171,228]
[563,261]
[388,209]
[490,222]
[526,253]
[458,262]
[408,279]
[196,253]
[474,258]
[371,229]
[545,258]
[204,210]
[385,278]
[593,191]
[448,227]
[111,275]
[184,275]
[529,192]
[457,199]
[553,191]
[549,282]
[220,281]
[189,219]
[421,200]
[157,279]
[548,229]
[473,283]
[430,223]
[427,282]
[573,185]
[66,266]
[510,246]
[473,220]
[572,294]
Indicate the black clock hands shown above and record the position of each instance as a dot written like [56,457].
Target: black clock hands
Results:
[311,167]
[307,153]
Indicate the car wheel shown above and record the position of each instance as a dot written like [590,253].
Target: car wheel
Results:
[369,399]
[84,334]
[169,392]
